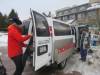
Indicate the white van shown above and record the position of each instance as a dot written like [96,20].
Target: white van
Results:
[52,41]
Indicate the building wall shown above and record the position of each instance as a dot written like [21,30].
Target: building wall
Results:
[69,11]
[81,14]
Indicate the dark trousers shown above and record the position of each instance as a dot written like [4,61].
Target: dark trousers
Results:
[19,64]
[94,43]
[83,53]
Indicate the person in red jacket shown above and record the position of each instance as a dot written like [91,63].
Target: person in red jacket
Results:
[15,44]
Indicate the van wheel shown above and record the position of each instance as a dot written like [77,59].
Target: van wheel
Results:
[78,49]
[62,65]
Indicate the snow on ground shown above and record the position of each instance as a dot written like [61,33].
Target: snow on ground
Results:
[75,64]
[3,39]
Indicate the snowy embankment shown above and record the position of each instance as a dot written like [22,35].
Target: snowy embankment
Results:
[3,39]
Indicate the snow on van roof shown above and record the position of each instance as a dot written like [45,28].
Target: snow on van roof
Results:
[57,20]
[70,21]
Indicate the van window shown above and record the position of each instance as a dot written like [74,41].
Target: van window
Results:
[61,29]
[41,25]
[26,27]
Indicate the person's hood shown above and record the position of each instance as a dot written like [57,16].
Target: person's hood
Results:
[13,27]
[10,27]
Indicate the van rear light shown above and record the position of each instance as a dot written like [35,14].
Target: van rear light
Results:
[50,30]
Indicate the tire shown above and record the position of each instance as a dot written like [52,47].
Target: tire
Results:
[62,65]
[78,49]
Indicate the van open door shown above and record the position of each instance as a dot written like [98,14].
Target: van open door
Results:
[43,47]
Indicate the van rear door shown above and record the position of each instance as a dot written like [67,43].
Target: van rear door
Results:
[43,45]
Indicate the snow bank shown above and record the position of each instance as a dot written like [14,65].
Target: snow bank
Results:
[3,39]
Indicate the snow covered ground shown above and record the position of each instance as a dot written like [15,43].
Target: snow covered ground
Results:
[3,39]
[74,64]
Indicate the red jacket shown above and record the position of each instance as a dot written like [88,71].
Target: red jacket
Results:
[15,41]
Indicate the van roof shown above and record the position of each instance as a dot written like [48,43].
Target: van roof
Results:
[82,25]
[56,20]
